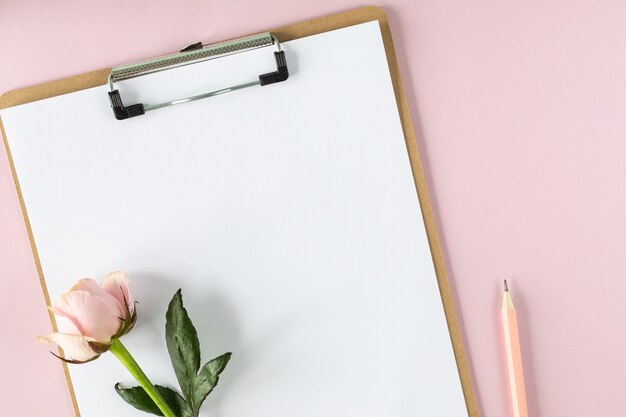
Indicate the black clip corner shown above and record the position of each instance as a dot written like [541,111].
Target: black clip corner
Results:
[122,112]
[281,73]
[192,47]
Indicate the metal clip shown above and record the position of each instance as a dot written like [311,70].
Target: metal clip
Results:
[194,55]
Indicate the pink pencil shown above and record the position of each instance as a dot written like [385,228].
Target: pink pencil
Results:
[513,355]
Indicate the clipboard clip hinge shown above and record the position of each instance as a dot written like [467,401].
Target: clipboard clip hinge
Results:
[190,55]
[120,111]
[281,73]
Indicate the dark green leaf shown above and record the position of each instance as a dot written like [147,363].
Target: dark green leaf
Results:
[139,398]
[207,379]
[184,349]
[175,401]
[182,345]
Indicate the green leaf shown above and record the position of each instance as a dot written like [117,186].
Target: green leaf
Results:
[207,379]
[139,398]
[184,349]
[175,401]
[183,346]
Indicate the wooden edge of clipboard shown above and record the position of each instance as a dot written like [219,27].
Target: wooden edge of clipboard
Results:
[286,33]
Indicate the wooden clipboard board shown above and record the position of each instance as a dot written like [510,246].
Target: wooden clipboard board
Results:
[287,33]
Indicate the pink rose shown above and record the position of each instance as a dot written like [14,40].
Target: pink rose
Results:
[90,316]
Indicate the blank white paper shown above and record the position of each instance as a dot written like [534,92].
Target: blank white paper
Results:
[286,213]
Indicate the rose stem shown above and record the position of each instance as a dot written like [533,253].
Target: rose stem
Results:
[120,352]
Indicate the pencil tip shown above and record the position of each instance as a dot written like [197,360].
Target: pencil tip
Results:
[506,287]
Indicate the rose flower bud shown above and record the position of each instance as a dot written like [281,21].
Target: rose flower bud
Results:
[90,316]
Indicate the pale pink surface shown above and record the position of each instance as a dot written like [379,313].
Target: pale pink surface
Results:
[520,112]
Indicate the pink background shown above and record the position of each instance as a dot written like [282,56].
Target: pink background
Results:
[520,113]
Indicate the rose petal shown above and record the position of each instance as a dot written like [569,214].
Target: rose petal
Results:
[65,325]
[91,315]
[92,287]
[116,284]
[75,347]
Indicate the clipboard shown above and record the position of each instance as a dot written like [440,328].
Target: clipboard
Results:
[283,34]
